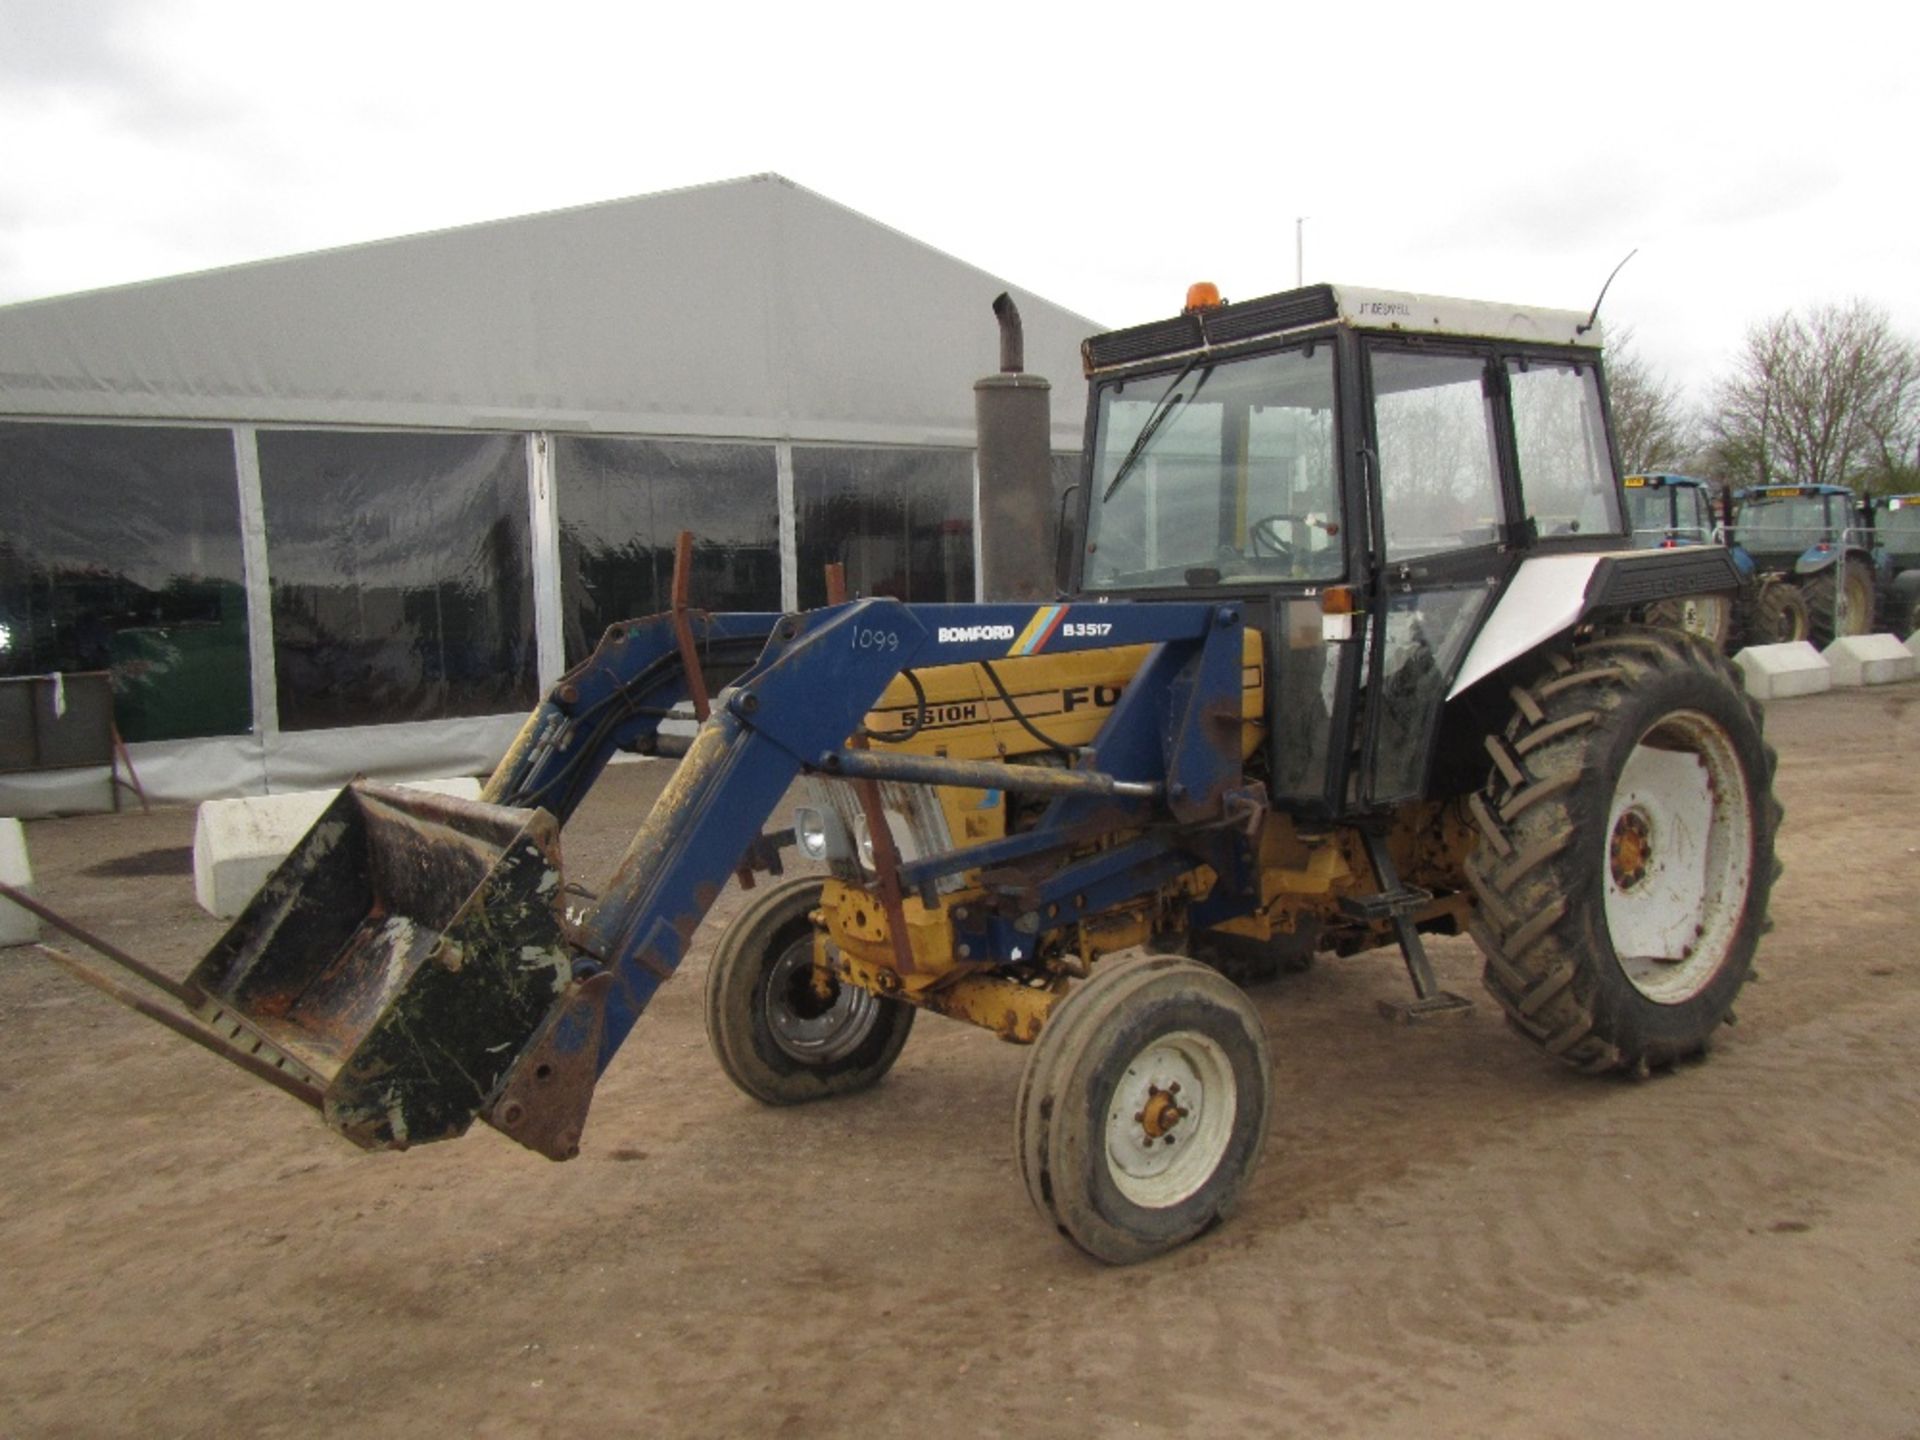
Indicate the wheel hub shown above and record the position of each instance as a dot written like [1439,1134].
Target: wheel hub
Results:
[1632,848]
[812,1016]
[1162,1113]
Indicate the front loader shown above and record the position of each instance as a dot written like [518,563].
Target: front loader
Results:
[1345,653]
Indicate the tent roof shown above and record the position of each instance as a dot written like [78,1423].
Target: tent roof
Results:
[751,307]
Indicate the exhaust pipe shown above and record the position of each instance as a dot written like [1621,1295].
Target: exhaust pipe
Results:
[1013,421]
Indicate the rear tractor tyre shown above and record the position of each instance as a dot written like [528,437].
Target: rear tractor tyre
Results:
[1851,579]
[1143,1108]
[1780,613]
[1626,851]
[1708,616]
[777,1035]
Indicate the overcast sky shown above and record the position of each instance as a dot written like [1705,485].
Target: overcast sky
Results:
[1100,155]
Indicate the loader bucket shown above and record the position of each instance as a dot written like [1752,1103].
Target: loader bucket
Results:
[400,959]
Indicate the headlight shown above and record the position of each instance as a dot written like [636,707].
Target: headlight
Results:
[810,833]
[863,841]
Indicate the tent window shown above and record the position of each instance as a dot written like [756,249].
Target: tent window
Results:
[402,575]
[622,504]
[900,520]
[120,550]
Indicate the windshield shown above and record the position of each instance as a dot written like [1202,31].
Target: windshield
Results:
[1790,522]
[1657,512]
[1216,474]
[1650,511]
[1900,529]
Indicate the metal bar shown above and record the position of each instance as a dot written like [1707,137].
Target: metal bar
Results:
[981,775]
[683,630]
[990,853]
[157,979]
[184,1027]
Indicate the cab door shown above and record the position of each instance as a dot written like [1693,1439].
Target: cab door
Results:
[1444,520]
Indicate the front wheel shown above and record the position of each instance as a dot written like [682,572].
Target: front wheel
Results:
[1143,1107]
[779,1033]
[1626,851]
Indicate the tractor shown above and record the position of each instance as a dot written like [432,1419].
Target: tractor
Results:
[1666,511]
[1341,653]
[1893,522]
[1812,559]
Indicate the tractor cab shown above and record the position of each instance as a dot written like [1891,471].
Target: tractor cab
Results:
[1367,472]
[1666,511]
[1795,527]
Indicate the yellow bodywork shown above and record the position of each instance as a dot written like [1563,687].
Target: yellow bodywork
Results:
[961,715]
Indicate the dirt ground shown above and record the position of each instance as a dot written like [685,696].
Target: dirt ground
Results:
[1449,1235]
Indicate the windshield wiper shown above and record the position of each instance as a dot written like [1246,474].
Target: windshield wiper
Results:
[1167,403]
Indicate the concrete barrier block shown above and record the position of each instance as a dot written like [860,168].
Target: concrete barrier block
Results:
[17,927]
[1913,643]
[237,844]
[1775,672]
[1869,660]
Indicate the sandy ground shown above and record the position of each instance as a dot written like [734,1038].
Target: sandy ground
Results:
[1449,1236]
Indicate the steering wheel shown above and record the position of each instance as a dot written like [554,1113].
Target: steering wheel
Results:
[1264,536]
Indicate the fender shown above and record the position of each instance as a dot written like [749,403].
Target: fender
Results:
[1550,594]
[1815,558]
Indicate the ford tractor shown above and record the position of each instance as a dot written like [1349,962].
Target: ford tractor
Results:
[1341,654]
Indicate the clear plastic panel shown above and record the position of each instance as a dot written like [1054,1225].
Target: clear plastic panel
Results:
[900,520]
[120,550]
[402,575]
[622,506]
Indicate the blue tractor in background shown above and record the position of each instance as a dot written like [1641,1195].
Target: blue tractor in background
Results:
[1893,522]
[1812,559]
[1668,512]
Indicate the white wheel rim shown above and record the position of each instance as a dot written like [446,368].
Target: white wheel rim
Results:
[1679,857]
[1170,1120]
[1705,616]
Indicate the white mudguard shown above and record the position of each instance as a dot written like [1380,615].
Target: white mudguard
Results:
[1546,597]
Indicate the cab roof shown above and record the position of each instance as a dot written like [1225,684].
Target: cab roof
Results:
[1781,492]
[1654,479]
[1354,306]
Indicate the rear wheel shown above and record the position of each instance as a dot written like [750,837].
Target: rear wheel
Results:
[1780,613]
[781,1035]
[1708,616]
[1850,583]
[1626,851]
[1143,1107]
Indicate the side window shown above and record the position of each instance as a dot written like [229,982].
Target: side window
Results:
[1439,478]
[1559,430]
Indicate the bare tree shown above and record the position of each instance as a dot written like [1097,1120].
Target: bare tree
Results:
[1829,398]
[1653,424]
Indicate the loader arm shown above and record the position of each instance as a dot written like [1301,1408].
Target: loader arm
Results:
[794,711]
[414,963]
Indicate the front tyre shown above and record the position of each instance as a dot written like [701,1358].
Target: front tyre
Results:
[1626,851]
[1143,1107]
[780,1035]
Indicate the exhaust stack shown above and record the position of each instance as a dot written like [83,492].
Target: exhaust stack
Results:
[1013,422]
